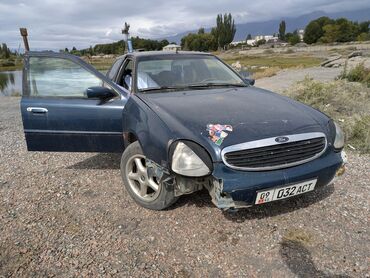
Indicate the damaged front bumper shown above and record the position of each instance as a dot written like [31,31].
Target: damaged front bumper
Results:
[236,189]
[232,189]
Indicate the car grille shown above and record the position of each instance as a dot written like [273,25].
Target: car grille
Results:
[269,154]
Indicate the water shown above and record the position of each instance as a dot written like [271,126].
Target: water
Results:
[11,83]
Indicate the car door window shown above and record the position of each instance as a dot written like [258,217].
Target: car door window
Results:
[58,77]
[112,72]
[126,79]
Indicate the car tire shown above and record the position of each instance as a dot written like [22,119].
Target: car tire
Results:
[147,192]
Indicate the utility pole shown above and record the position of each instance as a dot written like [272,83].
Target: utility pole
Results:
[126,37]
[24,34]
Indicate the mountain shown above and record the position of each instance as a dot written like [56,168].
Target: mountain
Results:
[272,26]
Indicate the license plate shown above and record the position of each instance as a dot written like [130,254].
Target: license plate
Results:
[279,193]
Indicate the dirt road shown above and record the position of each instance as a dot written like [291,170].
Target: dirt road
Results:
[286,78]
[68,215]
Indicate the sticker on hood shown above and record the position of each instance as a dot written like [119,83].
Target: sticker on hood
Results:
[217,132]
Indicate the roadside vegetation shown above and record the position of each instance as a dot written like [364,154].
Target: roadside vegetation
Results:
[358,74]
[270,63]
[346,102]
[9,60]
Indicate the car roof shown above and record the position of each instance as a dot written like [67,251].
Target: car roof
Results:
[162,53]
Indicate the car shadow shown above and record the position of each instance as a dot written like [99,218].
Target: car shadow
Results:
[299,260]
[202,199]
[101,161]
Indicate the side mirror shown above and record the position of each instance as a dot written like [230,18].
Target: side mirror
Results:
[100,92]
[246,75]
[249,81]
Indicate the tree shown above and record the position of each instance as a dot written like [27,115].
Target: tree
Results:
[201,30]
[314,30]
[249,37]
[199,42]
[5,51]
[66,49]
[292,38]
[224,31]
[340,30]
[282,28]
[260,42]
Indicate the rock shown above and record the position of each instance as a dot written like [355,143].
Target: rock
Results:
[237,65]
[355,54]
[330,60]
[301,44]
[336,63]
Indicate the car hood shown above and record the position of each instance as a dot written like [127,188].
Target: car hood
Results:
[251,112]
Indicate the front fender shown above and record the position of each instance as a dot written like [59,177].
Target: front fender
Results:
[152,133]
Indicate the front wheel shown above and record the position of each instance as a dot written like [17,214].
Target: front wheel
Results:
[147,191]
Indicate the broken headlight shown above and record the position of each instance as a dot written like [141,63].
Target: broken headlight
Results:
[190,159]
[339,137]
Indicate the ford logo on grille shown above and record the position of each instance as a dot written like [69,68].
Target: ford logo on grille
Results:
[282,139]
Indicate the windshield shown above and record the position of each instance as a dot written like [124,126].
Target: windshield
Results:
[182,71]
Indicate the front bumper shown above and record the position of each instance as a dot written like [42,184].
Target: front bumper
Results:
[234,188]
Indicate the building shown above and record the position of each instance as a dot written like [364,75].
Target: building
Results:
[301,34]
[172,47]
[265,37]
[251,42]
[236,43]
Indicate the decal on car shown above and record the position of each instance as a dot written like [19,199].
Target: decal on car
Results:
[217,132]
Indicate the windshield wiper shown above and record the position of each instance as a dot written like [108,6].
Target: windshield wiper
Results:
[195,85]
[161,88]
[211,84]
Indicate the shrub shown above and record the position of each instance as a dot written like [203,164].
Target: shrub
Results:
[347,103]
[357,74]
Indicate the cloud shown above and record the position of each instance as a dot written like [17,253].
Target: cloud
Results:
[65,23]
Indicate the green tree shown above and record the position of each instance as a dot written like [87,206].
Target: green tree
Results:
[224,31]
[314,30]
[260,42]
[249,37]
[199,42]
[282,28]
[5,51]
[66,50]
[341,30]
[201,30]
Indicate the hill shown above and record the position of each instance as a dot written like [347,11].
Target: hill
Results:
[271,26]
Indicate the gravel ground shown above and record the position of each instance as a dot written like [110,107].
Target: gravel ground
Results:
[64,214]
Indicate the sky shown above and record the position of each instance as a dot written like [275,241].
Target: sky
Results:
[55,24]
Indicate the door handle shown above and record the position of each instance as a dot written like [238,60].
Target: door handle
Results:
[38,110]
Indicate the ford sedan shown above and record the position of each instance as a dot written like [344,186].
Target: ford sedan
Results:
[183,122]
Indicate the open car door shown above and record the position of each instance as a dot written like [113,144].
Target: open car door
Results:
[68,106]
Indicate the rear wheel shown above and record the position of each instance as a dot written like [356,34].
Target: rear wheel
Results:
[147,191]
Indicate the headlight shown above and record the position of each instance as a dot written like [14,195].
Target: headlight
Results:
[339,137]
[187,162]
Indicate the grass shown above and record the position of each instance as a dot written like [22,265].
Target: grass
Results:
[357,74]
[11,64]
[101,64]
[266,72]
[346,102]
[277,60]
[270,63]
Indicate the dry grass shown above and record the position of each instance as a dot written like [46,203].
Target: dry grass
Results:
[346,102]
[266,72]
[275,60]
